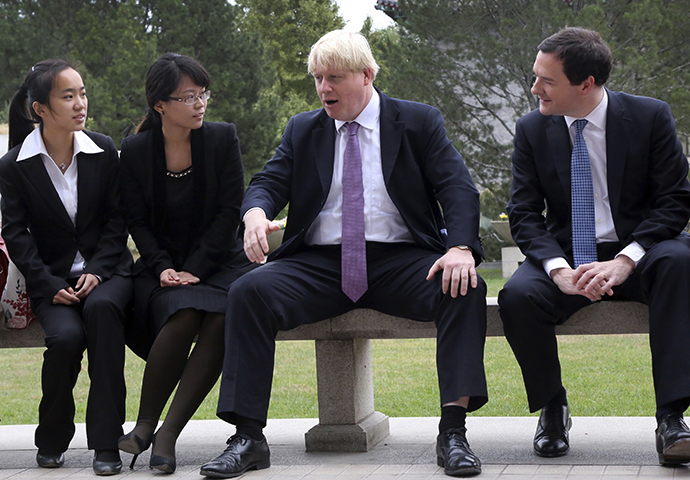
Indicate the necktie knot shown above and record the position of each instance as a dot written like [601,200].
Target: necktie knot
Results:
[352,128]
[580,126]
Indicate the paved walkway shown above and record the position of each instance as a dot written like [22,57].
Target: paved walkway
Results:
[601,448]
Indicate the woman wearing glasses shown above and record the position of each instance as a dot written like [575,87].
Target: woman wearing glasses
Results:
[182,185]
[65,232]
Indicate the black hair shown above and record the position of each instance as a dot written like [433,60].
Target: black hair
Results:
[583,54]
[36,88]
[163,78]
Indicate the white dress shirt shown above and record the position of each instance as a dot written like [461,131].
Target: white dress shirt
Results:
[595,138]
[382,220]
[65,184]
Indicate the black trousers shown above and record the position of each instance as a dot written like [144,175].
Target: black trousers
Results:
[96,324]
[531,305]
[306,288]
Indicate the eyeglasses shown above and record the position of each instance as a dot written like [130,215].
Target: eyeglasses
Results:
[191,99]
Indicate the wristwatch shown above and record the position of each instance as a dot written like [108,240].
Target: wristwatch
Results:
[463,247]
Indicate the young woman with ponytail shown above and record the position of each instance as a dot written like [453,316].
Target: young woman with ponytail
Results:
[64,230]
[182,186]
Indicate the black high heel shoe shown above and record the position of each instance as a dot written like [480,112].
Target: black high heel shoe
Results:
[133,443]
[163,464]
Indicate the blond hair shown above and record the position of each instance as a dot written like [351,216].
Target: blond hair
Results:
[344,51]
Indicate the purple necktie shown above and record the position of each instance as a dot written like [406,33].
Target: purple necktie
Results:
[354,259]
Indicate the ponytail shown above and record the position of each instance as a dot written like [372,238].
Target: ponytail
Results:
[21,118]
[151,119]
[36,88]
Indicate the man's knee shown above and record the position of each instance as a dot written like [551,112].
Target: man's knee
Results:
[247,288]
[512,296]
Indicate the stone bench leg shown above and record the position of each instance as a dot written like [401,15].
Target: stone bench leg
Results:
[347,420]
[511,258]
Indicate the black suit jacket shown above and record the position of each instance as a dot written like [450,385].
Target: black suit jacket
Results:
[218,190]
[40,237]
[421,169]
[646,171]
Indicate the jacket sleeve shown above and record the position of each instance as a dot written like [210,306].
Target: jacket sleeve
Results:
[527,202]
[667,183]
[270,188]
[220,235]
[452,184]
[113,241]
[21,246]
[137,210]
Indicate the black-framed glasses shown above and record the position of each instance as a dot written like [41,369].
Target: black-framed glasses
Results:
[191,99]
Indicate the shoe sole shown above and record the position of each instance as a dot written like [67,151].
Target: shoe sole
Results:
[107,473]
[131,445]
[256,466]
[551,455]
[676,454]
[163,468]
[461,472]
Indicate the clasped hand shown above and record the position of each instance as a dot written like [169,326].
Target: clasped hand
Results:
[458,271]
[172,278]
[71,296]
[593,280]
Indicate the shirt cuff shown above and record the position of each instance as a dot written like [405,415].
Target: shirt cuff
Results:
[634,251]
[554,263]
[250,210]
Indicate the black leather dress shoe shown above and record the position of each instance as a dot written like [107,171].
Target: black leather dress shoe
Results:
[50,460]
[551,438]
[243,453]
[673,440]
[453,453]
[106,468]
[107,462]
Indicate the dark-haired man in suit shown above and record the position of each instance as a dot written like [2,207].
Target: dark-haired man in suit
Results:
[367,172]
[611,172]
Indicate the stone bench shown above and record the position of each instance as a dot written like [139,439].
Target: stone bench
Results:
[348,420]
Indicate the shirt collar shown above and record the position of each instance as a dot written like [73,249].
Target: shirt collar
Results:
[369,116]
[33,145]
[596,117]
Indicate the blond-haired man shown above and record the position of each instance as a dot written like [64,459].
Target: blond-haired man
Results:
[364,177]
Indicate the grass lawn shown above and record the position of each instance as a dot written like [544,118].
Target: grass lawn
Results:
[604,375]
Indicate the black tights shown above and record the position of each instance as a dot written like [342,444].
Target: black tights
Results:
[169,363]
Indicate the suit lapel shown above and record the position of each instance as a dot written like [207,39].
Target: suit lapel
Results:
[391,135]
[36,174]
[618,132]
[86,187]
[561,151]
[323,141]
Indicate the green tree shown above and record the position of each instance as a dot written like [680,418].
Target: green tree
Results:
[114,77]
[474,61]
[287,29]
[209,30]
[30,32]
